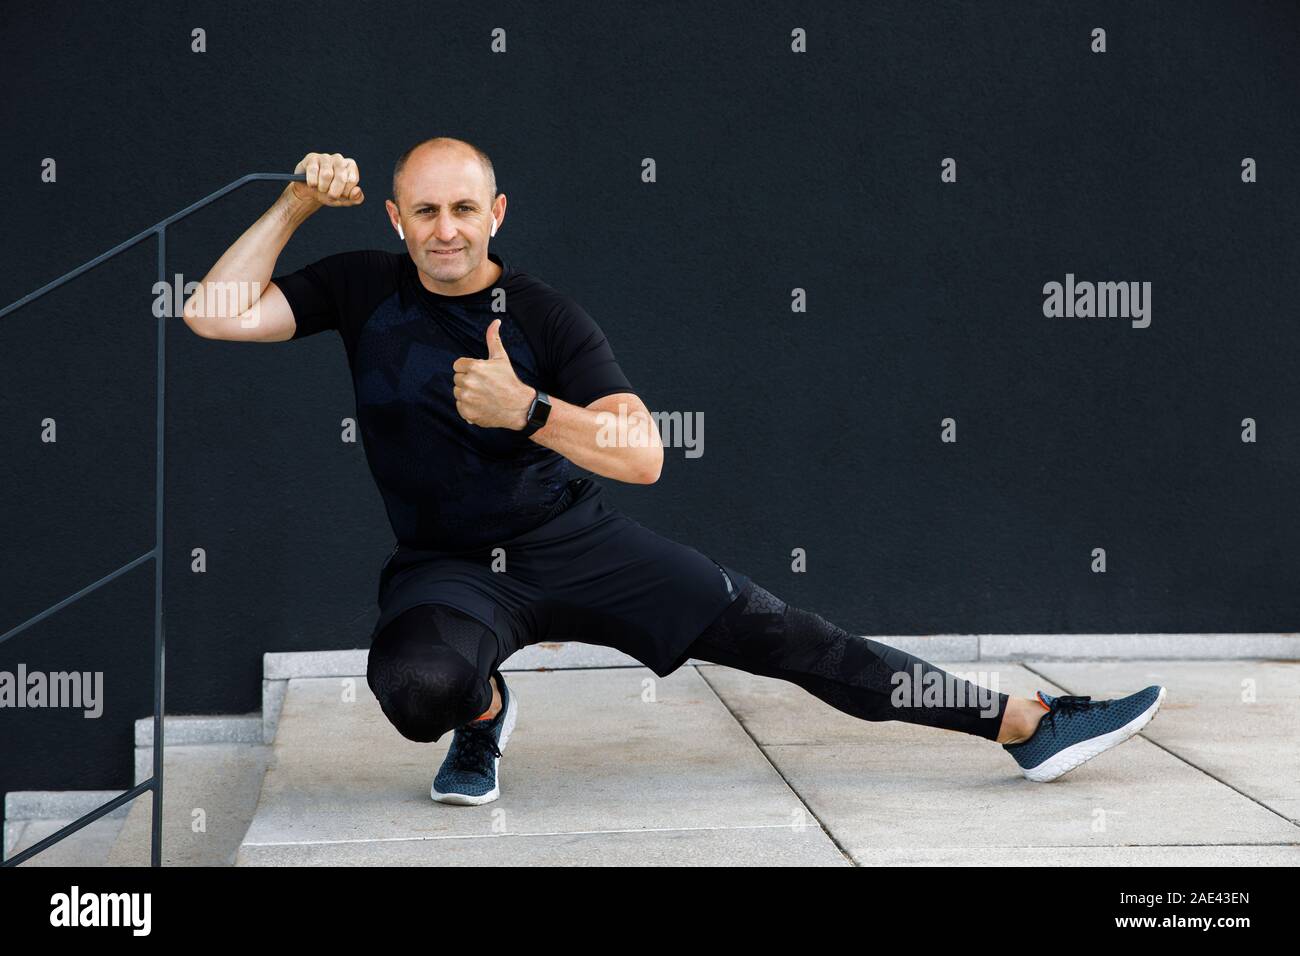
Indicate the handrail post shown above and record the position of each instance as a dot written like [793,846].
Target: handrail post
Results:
[159,647]
[159,621]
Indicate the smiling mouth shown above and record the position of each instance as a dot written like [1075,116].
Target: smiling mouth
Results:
[445,252]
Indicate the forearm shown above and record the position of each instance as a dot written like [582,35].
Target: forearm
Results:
[238,279]
[625,448]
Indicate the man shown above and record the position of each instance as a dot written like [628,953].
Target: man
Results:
[477,385]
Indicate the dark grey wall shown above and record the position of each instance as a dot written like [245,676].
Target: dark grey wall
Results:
[776,171]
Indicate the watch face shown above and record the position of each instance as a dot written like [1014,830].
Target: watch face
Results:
[540,410]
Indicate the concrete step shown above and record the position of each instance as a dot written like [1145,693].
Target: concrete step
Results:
[278,668]
[33,815]
[606,766]
[611,765]
[220,758]
[209,794]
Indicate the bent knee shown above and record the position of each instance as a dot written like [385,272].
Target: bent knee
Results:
[424,685]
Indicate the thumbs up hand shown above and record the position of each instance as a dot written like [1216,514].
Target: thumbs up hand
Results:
[495,349]
[487,391]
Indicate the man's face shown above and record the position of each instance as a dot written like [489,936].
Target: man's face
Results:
[445,211]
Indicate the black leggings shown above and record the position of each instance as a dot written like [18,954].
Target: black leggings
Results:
[429,667]
[760,634]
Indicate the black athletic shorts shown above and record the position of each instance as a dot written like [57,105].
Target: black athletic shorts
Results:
[589,571]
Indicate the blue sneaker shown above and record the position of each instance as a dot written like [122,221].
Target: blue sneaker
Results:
[468,775]
[1076,729]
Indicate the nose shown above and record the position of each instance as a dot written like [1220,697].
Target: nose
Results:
[444,229]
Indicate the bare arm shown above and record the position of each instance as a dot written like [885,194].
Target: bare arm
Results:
[236,299]
[614,436]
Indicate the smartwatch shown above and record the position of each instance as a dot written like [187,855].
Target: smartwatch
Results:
[538,412]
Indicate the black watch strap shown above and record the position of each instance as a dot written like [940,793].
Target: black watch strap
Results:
[538,412]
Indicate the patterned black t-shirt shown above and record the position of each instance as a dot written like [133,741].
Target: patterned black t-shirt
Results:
[449,485]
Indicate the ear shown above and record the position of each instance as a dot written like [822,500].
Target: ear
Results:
[395,217]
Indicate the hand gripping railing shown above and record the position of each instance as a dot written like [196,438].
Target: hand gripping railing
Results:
[154,783]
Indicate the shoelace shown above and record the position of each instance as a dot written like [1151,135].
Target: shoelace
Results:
[1080,703]
[474,749]
[1072,704]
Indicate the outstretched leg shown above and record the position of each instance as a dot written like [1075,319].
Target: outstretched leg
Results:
[760,634]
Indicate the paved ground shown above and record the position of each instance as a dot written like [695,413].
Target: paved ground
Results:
[611,765]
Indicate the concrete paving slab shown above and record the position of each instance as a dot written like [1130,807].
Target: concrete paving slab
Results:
[58,804]
[733,846]
[884,789]
[594,751]
[89,846]
[202,729]
[209,795]
[279,668]
[287,665]
[1216,856]
[1136,646]
[1238,721]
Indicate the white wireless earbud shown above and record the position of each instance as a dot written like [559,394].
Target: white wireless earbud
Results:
[400,234]
[494,226]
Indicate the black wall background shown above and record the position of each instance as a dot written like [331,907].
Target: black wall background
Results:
[776,171]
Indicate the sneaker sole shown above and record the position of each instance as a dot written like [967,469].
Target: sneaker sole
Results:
[474,800]
[1071,757]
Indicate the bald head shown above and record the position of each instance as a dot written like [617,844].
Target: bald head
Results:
[442,148]
[446,208]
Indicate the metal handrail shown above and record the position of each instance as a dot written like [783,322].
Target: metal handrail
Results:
[154,783]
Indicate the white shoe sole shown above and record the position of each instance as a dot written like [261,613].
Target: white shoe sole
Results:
[1071,757]
[474,800]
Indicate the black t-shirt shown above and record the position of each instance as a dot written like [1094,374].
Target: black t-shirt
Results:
[449,485]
